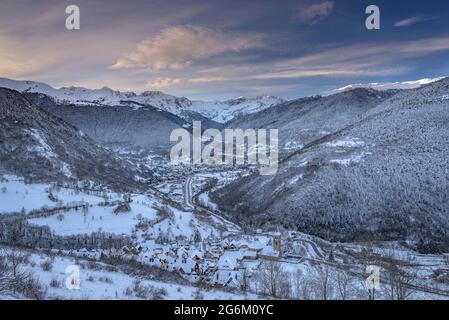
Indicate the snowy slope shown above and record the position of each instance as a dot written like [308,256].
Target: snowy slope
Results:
[385,86]
[16,195]
[223,111]
[216,110]
[38,145]
[397,143]
[101,218]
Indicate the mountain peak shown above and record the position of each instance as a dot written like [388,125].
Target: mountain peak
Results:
[216,110]
[379,86]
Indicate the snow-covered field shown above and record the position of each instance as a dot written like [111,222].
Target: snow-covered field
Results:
[16,195]
[99,218]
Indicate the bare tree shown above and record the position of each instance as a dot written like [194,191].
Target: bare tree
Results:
[304,286]
[323,280]
[15,259]
[15,280]
[272,279]
[368,258]
[343,282]
[297,280]
[285,287]
[26,284]
[5,276]
[399,280]
[244,281]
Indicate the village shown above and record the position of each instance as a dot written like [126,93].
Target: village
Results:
[226,263]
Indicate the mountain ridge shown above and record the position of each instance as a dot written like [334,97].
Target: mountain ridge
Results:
[382,86]
[218,111]
[383,176]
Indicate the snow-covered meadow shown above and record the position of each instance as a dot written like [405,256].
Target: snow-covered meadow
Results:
[16,195]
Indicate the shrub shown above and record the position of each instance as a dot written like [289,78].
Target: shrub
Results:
[31,288]
[105,279]
[140,290]
[145,292]
[54,283]
[197,295]
[91,279]
[159,293]
[47,265]
[122,208]
[111,268]
[93,265]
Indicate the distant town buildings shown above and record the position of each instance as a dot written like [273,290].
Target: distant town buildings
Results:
[218,263]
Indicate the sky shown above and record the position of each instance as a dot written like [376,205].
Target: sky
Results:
[223,49]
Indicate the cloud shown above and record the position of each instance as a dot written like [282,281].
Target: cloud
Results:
[412,21]
[15,60]
[177,47]
[161,83]
[315,12]
[282,75]
[363,60]
[206,79]
[359,60]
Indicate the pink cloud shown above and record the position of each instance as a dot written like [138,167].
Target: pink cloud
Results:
[177,47]
[412,21]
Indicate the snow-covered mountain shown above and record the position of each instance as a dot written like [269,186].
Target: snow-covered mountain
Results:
[364,163]
[224,111]
[219,111]
[385,86]
[42,147]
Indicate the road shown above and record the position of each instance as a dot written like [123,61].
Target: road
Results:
[188,190]
[189,202]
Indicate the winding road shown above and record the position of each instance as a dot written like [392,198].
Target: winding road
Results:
[189,202]
[188,190]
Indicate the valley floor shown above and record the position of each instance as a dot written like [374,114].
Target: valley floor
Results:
[180,247]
